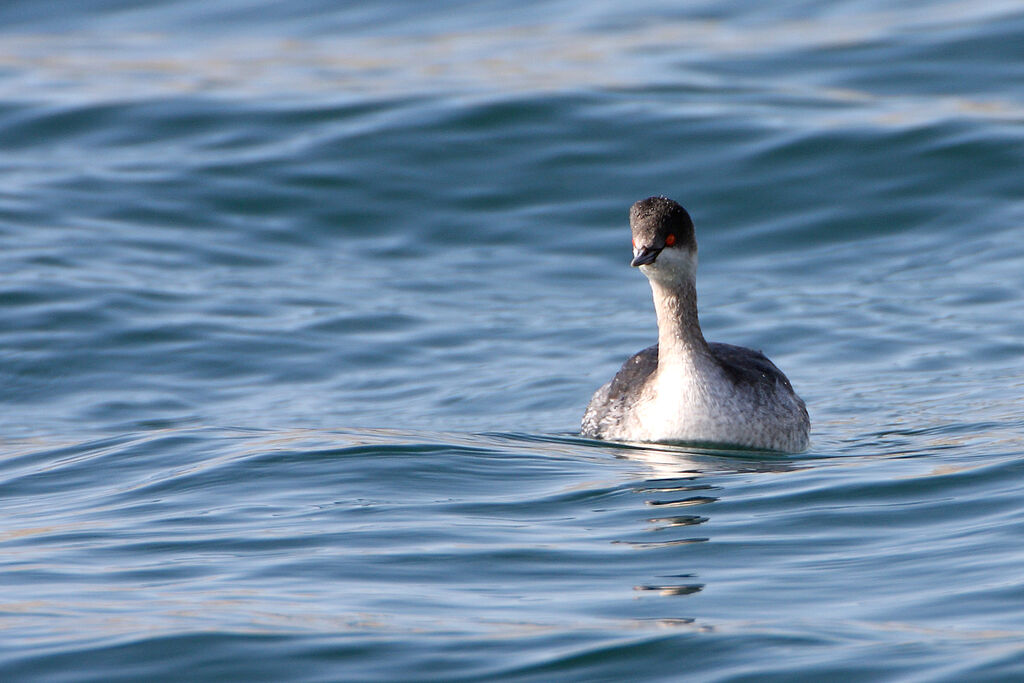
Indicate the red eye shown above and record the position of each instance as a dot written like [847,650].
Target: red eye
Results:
[670,240]
[634,244]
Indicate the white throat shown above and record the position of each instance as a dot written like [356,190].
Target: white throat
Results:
[673,284]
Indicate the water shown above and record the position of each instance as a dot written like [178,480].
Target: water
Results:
[302,305]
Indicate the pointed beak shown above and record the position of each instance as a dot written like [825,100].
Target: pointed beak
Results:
[643,256]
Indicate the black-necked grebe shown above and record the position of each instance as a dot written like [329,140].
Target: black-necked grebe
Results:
[684,389]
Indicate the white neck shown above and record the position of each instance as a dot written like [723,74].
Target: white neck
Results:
[673,279]
[679,335]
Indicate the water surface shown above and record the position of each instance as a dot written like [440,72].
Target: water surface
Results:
[302,306]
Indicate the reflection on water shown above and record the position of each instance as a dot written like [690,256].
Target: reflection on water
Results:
[681,482]
[681,520]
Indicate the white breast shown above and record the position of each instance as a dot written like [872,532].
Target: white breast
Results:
[682,405]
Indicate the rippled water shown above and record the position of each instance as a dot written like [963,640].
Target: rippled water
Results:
[302,305]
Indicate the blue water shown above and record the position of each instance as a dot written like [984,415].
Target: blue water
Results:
[301,306]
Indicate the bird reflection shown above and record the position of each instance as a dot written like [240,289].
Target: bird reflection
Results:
[686,478]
